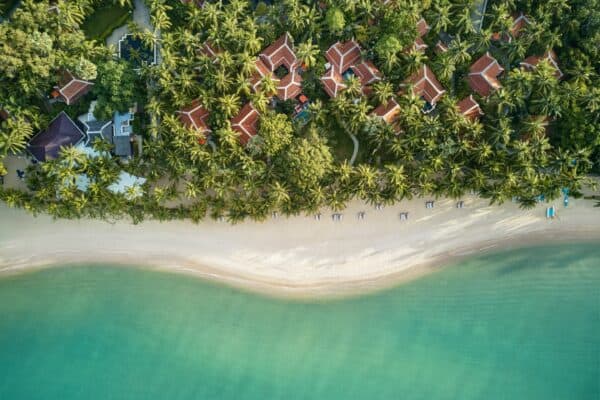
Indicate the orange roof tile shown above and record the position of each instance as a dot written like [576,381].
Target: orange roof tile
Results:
[483,75]
[426,85]
[343,55]
[388,111]
[469,107]
[333,83]
[246,123]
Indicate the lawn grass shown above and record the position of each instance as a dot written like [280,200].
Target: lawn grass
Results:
[341,146]
[104,20]
[6,5]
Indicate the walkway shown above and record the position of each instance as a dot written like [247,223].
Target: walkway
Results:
[355,151]
[478,14]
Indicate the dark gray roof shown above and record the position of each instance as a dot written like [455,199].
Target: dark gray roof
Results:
[106,134]
[122,146]
[61,132]
[95,126]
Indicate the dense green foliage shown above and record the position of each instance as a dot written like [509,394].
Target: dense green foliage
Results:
[294,167]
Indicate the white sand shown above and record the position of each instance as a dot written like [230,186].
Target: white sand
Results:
[297,256]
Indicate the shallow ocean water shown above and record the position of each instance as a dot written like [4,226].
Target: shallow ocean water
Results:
[520,324]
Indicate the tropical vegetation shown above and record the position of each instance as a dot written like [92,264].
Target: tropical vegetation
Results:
[295,167]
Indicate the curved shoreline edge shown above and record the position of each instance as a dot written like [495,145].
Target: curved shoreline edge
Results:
[297,257]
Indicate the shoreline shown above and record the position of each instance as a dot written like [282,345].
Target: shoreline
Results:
[296,257]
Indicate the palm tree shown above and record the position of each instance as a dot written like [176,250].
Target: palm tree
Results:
[307,52]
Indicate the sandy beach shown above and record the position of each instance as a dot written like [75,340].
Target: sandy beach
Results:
[297,256]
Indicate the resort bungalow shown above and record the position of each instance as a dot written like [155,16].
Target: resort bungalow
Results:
[469,108]
[194,117]
[426,86]
[343,61]
[246,123]
[520,21]
[70,89]
[333,83]
[387,112]
[279,62]
[123,134]
[61,132]
[209,50]
[422,30]
[483,75]
[368,74]
[531,62]
[342,55]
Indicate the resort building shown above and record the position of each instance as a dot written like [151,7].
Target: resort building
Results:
[246,123]
[117,131]
[469,108]
[531,62]
[194,117]
[422,30]
[441,47]
[95,129]
[426,86]
[279,62]
[483,75]
[367,73]
[61,132]
[333,83]
[70,89]
[123,134]
[209,50]
[520,22]
[343,61]
[388,112]
[342,55]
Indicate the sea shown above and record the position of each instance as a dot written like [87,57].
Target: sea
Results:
[517,324]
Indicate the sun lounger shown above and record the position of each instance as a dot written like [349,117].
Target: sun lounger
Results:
[403,216]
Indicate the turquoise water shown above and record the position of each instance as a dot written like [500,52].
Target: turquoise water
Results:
[522,324]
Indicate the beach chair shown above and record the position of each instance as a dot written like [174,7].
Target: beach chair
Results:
[403,216]
[361,215]
[275,215]
[460,204]
[318,216]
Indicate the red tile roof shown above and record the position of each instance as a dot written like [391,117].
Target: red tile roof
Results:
[520,20]
[261,71]
[440,47]
[289,86]
[483,75]
[246,123]
[367,72]
[209,50]
[280,52]
[426,85]
[422,27]
[519,23]
[194,117]
[388,112]
[469,107]
[333,83]
[531,62]
[72,89]
[342,56]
